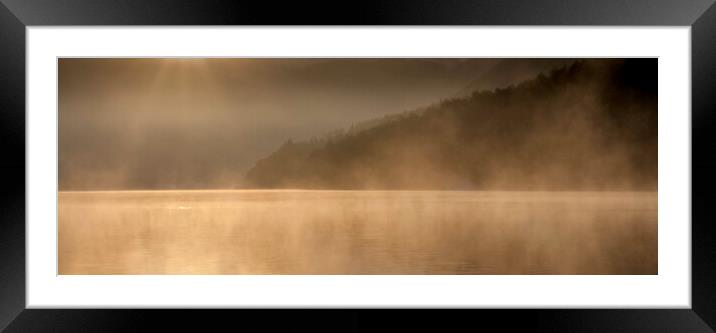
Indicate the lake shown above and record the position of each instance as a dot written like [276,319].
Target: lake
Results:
[357,232]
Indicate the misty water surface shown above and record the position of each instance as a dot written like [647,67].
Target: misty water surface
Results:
[357,232]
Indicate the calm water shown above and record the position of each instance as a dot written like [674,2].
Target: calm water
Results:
[357,232]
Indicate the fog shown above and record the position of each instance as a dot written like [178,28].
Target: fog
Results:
[202,123]
[358,166]
[357,232]
[588,126]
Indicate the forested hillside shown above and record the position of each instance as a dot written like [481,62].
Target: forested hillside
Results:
[591,125]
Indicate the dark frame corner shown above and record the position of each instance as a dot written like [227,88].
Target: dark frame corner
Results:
[16,15]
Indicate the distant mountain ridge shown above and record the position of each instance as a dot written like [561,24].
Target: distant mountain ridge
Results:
[503,73]
[508,72]
[591,125]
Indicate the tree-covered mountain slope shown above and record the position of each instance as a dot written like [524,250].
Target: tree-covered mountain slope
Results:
[591,125]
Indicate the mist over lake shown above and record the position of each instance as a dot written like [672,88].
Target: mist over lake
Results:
[357,232]
[358,166]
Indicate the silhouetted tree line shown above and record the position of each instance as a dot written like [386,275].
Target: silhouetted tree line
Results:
[591,125]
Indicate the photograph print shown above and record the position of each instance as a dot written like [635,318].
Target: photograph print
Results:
[353,166]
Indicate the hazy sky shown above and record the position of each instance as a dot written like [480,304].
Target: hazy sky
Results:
[204,122]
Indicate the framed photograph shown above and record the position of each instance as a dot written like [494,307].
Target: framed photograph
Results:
[535,160]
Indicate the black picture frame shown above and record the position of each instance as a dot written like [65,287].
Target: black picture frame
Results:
[16,15]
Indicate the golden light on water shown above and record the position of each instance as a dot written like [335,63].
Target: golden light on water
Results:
[357,166]
[357,232]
